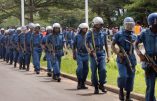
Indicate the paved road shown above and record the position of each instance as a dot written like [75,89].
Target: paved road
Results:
[19,85]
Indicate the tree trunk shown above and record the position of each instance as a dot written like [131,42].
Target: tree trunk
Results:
[31,10]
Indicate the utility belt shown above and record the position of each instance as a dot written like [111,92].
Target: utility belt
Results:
[82,51]
[22,45]
[37,46]
[99,49]
[27,45]
[58,48]
[82,54]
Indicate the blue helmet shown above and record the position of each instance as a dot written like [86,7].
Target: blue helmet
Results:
[129,23]
[152,19]
[128,19]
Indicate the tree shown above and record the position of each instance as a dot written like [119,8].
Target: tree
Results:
[140,9]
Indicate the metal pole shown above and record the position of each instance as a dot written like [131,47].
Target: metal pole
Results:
[22,13]
[86,11]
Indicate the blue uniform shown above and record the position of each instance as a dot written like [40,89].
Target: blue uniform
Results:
[36,40]
[3,46]
[48,55]
[28,48]
[82,57]
[149,40]
[99,41]
[126,75]
[57,41]
[15,48]
[11,57]
[21,42]
[70,38]
[7,48]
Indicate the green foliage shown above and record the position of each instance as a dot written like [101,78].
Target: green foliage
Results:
[71,12]
[140,9]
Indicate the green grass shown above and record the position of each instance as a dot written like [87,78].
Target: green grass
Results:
[69,66]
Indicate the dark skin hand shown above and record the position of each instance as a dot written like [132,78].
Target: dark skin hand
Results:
[115,50]
[139,53]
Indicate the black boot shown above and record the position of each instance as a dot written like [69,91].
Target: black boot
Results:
[102,88]
[83,86]
[15,65]
[23,67]
[37,72]
[49,74]
[57,78]
[27,68]
[96,91]
[121,94]
[128,96]
[20,66]
[79,85]
[11,63]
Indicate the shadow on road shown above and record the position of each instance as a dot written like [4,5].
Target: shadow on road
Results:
[73,89]
[29,73]
[90,94]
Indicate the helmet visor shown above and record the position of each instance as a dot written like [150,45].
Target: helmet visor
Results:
[129,26]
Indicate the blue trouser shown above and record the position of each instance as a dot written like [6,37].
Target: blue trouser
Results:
[56,65]
[3,52]
[126,77]
[28,57]
[101,66]
[36,58]
[21,58]
[16,55]
[11,56]
[82,69]
[49,61]
[150,82]
[7,54]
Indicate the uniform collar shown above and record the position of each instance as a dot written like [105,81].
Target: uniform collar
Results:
[127,33]
[151,33]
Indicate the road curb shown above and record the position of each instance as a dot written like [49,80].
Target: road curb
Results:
[136,96]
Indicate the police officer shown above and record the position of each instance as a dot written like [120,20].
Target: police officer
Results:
[55,43]
[48,55]
[28,45]
[69,38]
[97,44]
[7,46]
[22,47]
[80,54]
[15,45]
[36,47]
[3,43]
[5,40]
[11,56]
[149,39]
[124,40]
